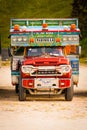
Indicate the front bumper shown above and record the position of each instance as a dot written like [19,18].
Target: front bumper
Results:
[46,83]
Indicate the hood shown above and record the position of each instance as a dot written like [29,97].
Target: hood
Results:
[42,61]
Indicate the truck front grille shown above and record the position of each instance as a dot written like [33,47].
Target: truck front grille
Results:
[48,73]
[46,63]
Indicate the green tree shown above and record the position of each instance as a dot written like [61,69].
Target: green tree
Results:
[79,10]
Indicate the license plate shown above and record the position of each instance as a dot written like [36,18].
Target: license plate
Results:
[46,83]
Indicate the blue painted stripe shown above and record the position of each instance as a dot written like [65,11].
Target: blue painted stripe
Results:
[75,66]
[16,73]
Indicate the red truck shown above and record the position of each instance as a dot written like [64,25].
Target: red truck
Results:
[40,60]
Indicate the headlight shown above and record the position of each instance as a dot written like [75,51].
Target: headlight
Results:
[64,39]
[19,39]
[24,39]
[75,38]
[64,68]
[69,38]
[14,39]
[27,69]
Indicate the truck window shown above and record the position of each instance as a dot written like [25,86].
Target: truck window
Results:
[19,51]
[34,52]
[71,50]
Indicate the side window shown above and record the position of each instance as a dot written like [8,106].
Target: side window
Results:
[19,51]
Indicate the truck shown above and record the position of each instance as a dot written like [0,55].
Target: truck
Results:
[44,56]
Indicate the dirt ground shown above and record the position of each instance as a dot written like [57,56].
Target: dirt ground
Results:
[42,113]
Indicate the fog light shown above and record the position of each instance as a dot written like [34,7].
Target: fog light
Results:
[62,84]
[30,84]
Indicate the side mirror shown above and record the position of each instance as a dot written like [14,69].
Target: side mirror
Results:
[9,52]
[9,36]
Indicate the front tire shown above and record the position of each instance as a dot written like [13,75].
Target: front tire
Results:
[69,92]
[22,91]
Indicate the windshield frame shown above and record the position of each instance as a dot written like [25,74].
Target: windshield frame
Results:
[40,51]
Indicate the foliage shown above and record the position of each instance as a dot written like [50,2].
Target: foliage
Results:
[30,9]
[80,10]
[84,47]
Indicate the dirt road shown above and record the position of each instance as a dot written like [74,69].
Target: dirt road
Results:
[43,113]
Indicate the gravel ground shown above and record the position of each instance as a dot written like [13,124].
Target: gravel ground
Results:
[42,113]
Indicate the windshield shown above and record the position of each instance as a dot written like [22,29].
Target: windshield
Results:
[50,51]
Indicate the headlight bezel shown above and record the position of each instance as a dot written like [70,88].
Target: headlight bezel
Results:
[28,69]
[64,68]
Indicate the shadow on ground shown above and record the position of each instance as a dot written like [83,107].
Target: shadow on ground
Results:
[10,95]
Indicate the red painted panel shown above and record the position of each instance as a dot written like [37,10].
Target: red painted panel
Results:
[28,83]
[64,83]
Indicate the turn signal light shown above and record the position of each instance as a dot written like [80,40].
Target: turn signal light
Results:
[31,39]
[16,27]
[58,39]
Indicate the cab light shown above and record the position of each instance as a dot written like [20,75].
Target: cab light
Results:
[45,25]
[24,28]
[32,40]
[58,39]
[16,27]
[66,28]
[73,27]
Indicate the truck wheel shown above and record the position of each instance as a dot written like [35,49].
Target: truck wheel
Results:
[17,88]
[69,92]
[22,91]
